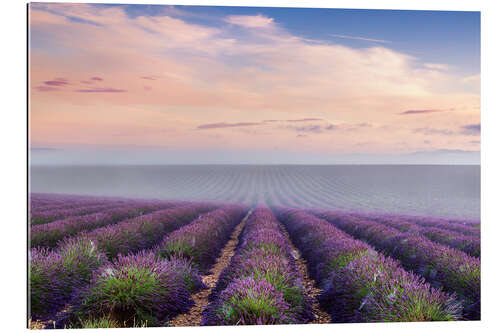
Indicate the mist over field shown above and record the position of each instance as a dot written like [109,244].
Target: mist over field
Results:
[162,156]
[449,191]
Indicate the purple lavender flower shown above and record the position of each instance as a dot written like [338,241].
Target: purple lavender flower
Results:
[49,234]
[263,256]
[441,265]
[201,240]
[468,244]
[140,289]
[375,288]
[144,231]
[324,246]
[55,214]
[434,229]
[250,302]
[55,275]
[49,285]
[349,273]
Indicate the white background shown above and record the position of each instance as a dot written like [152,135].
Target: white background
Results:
[13,185]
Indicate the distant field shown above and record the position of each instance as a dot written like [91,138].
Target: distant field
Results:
[115,262]
[445,191]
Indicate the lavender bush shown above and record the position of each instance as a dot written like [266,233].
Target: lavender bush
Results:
[43,202]
[55,214]
[324,246]
[202,240]
[470,228]
[470,244]
[73,204]
[189,274]
[348,271]
[441,265]
[251,301]
[49,287]
[49,234]
[375,288]
[55,275]
[145,231]
[134,289]
[81,257]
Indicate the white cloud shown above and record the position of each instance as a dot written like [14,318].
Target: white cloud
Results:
[248,21]
[441,67]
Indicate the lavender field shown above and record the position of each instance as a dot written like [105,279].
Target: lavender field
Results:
[100,261]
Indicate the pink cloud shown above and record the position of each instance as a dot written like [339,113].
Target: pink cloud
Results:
[56,82]
[292,120]
[148,78]
[45,88]
[304,120]
[97,78]
[433,131]
[224,125]
[101,90]
[424,111]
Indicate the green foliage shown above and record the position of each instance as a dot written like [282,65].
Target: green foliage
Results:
[81,256]
[252,305]
[343,259]
[121,294]
[178,249]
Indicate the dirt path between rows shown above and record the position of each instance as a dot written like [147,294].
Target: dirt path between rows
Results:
[194,316]
[321,317]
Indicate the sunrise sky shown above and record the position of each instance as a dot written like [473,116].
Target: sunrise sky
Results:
[180,84]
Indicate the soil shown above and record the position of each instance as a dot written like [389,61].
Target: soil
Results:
[36,325]
[321,317]
[194,316]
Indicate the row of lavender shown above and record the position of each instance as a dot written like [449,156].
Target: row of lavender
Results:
[464,238]
[433,220]
[55,274]
[68,206]
[44,201]
[360,284]
[153,286]
[47,216]
[261,285]
[442,266]
[468,229]
[94,270]
[49,234]
[55,214]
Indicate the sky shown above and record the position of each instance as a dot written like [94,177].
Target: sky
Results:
[150,84]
